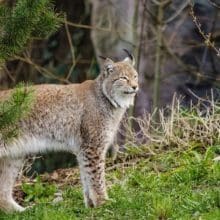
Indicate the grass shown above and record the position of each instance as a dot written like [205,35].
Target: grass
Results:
[173,176]
[173,185]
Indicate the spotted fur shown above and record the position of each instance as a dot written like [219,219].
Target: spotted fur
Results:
[78,118]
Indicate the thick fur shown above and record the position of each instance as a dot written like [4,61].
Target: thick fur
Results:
[78,118]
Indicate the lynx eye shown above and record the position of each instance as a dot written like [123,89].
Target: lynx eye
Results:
[124,78]
[135,76]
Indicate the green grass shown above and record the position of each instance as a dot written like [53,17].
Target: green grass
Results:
[172,185]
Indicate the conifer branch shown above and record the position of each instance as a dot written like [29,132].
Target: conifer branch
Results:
[27,19]
[13,109]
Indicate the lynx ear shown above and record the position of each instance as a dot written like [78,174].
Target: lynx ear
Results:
[130,58]
[108,65]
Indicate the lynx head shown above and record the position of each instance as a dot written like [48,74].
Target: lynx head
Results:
[120,81]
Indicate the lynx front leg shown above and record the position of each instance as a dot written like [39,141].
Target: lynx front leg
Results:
[92,171]
[9,169]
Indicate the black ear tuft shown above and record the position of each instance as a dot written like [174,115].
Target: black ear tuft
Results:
[130,58]
[102,57]
[129,54]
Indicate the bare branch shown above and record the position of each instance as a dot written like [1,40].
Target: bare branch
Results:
[71,50]
[214,4]
[84,26]
[206,37]
[41,69]
[178,12]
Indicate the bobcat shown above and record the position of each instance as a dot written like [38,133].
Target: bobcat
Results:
[78,118]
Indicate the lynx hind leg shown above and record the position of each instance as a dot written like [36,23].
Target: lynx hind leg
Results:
[113,151]
[9,169]
[92,172]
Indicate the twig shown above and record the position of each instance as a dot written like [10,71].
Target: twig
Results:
[178,12]
[8,73]
[71,50]
[84,26]
[205,53]
[143,17]
[41,70]
[163,3]
[157,70]
[214,4]
[206,37]
[154,18]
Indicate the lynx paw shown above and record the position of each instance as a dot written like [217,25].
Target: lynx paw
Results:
[92,204]
[95,201]
[11,206]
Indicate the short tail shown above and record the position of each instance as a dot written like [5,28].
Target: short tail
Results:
[217,158]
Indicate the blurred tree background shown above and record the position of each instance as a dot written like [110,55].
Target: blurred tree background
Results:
[171,40]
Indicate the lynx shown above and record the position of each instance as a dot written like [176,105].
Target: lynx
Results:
[78,118]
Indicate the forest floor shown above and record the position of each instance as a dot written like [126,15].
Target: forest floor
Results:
[170,185]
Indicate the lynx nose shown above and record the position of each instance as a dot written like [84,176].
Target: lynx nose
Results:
[135,88]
